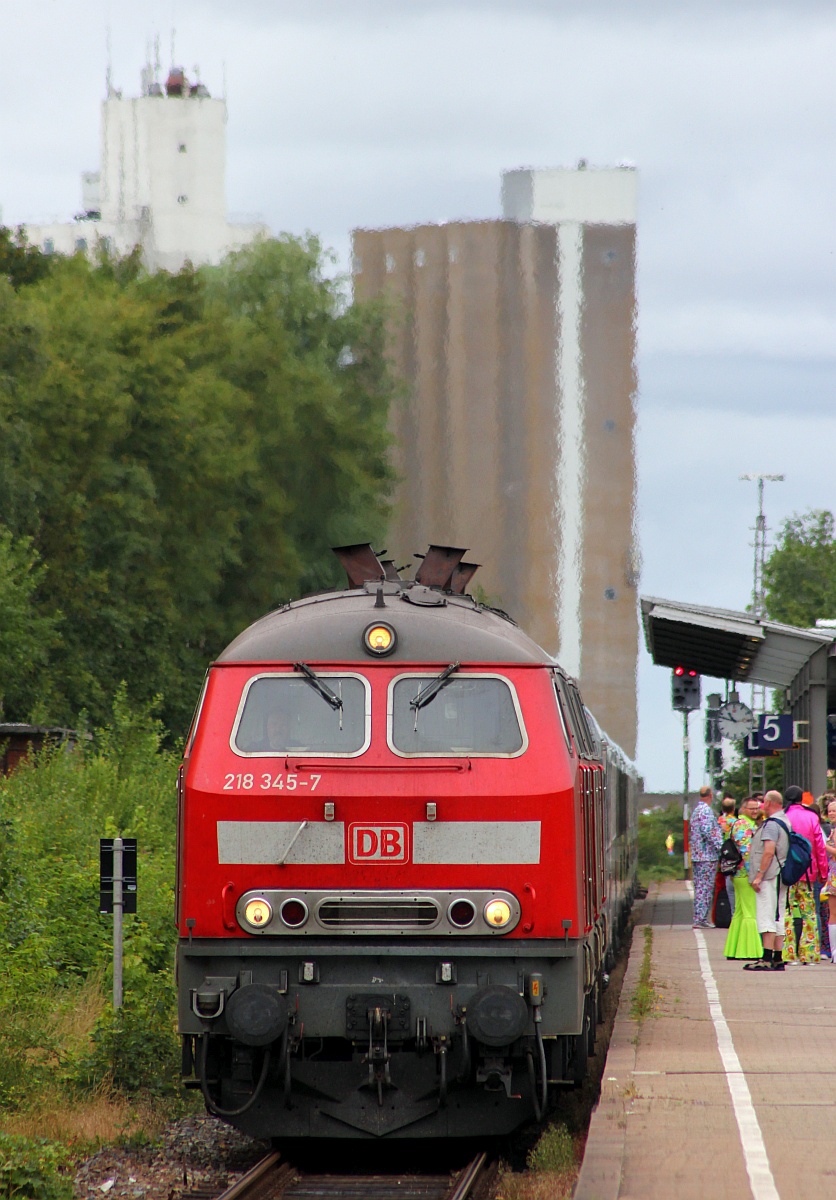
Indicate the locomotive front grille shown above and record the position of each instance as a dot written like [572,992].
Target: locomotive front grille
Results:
[339,913]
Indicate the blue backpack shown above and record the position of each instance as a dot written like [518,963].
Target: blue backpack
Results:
[799,855]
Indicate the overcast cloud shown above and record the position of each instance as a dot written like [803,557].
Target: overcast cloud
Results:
[371,112]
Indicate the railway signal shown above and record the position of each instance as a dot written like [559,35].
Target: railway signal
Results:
[685,690]
[685,697]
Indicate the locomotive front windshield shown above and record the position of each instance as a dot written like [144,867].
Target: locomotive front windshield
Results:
[322,714]
[469,714]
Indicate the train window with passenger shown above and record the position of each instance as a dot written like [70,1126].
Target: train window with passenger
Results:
[318,713]
[469,714]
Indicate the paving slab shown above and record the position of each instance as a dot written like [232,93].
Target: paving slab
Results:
[666,1125]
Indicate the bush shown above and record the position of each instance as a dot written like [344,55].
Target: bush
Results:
[654,861]
[59,1032]
[554,1152]
[30,1169]
[136,1048]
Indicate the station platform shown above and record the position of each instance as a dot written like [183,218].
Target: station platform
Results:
[728,1088]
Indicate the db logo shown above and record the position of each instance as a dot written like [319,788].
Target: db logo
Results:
[377,843]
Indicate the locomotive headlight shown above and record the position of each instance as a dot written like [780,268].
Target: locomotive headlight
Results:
[380,639]
[498,913]
[258,913]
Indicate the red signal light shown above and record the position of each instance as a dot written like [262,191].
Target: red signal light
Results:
[679,671]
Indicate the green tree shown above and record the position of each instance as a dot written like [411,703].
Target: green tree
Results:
[123,445]
[314,371]
[21,263]
[736,776]
[800,573]
[182,450]
[26,635]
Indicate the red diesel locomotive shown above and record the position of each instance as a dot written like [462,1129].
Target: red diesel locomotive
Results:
[406,852]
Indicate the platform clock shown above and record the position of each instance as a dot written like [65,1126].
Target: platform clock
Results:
[735,719]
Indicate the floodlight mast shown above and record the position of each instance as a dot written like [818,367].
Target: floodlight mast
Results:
[758,611]
[758,596]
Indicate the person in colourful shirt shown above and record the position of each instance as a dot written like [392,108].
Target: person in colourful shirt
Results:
[743,939]
[727,819]
[828,892]
[801,900]
[705,840]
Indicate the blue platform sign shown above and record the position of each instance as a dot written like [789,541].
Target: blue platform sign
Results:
[775,732]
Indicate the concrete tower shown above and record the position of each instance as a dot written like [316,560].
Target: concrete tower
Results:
[162,184]
[516,339]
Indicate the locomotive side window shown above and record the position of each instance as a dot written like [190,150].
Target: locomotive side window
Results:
[563,723]
[569,714]
[596,737]
[190,736]
[469,715]
[621,803]
[286,714]
[583,736]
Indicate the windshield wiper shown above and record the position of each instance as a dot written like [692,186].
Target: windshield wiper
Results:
[425,694]
[325,692]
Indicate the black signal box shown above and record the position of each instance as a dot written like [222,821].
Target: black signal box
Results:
[106,875]
[685,690]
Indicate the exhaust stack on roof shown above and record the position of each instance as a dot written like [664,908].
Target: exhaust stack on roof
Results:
[360,563]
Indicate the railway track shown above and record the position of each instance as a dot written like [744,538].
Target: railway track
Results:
[273,1179]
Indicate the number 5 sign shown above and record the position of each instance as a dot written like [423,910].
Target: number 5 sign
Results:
[775,732]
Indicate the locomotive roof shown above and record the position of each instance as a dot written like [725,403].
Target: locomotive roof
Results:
[431,625]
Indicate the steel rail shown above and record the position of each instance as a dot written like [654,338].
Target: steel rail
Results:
[257,1182]
[468,1177]
[256,1173]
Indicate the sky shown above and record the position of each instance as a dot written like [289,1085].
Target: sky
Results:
[346,113]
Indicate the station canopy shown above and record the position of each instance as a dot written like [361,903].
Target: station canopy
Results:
[727,645]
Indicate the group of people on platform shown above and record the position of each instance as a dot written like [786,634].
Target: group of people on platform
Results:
[772,924]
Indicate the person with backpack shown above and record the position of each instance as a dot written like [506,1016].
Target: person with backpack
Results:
[802,895]
[743,939]
[768,848]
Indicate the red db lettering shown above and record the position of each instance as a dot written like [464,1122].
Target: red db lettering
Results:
[367,842]
[378,843]
[390,842]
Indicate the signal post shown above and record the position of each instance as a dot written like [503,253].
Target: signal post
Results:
[685,697]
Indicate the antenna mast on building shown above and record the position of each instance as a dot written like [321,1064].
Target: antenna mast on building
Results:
[109,59]
[758,611]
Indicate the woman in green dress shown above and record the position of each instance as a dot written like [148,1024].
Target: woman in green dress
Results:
[743,940]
